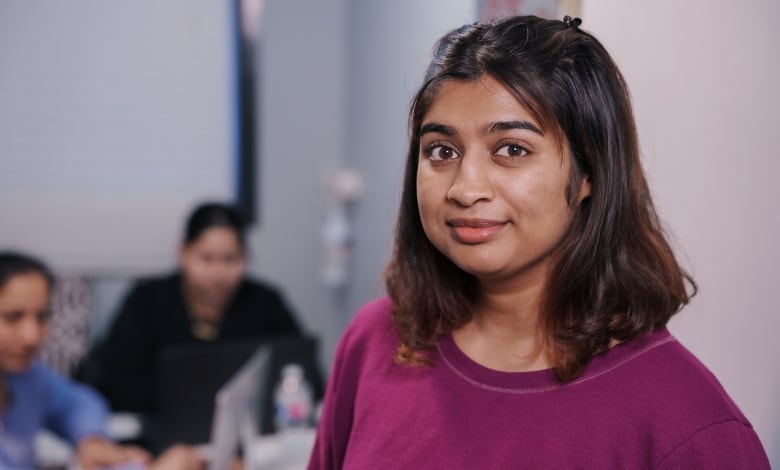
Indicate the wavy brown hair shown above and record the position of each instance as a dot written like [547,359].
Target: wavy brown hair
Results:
[614,276]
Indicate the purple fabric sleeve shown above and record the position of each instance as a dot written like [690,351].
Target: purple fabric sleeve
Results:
[335,423]
[723,446]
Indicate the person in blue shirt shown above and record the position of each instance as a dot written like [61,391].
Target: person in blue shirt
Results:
[32,397]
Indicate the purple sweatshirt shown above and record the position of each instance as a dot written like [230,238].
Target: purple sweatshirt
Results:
[646,403]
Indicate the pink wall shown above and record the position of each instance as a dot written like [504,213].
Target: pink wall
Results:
[704,78]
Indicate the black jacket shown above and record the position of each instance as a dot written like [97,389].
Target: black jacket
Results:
[123,367]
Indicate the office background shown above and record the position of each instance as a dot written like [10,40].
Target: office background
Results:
[336,78]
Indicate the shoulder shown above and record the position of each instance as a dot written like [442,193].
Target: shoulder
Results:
[725,445]
[671,395]
[40,373]
[255,294]
[149,296]
[374,317]
[677,379]
[658,364]
[367,345]
[372,327]
[62,390]
[365,348]
[686,380]
[39,379]
[156,284]
[152,290]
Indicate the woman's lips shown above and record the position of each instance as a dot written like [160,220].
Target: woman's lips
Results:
[475,231]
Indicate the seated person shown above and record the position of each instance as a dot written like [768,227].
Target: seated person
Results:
[209,299]
[32,397]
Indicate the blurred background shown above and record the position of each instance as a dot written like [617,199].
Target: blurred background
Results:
[116,118]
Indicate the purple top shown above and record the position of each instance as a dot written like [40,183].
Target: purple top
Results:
[646,403]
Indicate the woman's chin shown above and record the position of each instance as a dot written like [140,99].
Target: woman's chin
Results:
[16,365]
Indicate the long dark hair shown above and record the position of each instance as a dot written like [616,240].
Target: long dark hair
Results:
[614,275]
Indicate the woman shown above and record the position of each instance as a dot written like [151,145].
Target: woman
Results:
[530,283]
[32,397]
[208,300]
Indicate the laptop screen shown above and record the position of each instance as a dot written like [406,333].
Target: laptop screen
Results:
[236,411]
[191,376]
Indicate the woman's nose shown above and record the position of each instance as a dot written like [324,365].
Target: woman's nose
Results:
[32,331]
[472,181]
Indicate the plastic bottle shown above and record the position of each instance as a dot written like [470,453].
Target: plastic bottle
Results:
[293,400]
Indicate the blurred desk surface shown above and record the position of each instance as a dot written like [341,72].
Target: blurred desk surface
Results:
[289,451]
[53,452]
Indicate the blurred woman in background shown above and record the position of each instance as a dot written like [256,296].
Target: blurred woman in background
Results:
[209,299]
[32,397]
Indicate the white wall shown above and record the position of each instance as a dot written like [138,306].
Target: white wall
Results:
[704,76]
[391,43]
[337,79]
[302,132]
[115,119]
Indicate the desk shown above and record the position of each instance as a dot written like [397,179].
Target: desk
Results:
[54,452]
[289,451]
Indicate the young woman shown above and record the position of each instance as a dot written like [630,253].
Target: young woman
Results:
[530,283]
[209,299]
[31,396]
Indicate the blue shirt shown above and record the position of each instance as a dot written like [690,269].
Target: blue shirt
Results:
[42,399]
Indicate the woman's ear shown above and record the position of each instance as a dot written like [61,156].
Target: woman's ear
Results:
[585,188]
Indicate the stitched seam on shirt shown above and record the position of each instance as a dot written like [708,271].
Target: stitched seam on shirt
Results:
[549,388]
[693,434]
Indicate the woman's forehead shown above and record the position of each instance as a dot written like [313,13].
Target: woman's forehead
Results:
[540,113]
[449,92]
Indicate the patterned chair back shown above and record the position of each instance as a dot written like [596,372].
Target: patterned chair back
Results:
[68,339]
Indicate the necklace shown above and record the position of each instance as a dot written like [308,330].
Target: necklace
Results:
[204,330]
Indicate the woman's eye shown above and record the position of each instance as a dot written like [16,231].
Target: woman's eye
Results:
[44,316]
[512,151]
[440,152]
[11,317]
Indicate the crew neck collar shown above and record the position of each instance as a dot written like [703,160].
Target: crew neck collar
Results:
[544,380]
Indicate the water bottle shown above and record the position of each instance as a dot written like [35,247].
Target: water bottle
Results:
[293,400]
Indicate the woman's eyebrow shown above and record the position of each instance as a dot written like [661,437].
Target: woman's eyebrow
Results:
[510,125]
[430,127]
[489,128]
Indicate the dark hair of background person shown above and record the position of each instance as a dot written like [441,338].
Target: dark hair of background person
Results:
[213,214]
[13,264]
[613,275]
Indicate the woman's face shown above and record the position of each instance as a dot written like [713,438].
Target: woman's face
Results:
[24,319]
[213,266]
[491,187]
